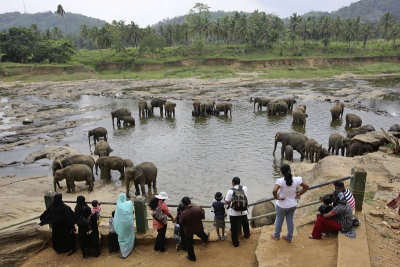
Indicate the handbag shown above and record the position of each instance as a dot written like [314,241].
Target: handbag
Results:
[159,215]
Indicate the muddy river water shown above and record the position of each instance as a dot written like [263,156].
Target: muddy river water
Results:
[199,156]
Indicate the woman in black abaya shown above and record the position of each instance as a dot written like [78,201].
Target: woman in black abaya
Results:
[88,233]
[62,220]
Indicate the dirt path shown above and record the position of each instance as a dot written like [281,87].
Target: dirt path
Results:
[212,254]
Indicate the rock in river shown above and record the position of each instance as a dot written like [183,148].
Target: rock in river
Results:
[51,152]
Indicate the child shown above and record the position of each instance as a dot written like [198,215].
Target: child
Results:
[179,233]
[113,245]
[219,217]
[325,208]
[96,209]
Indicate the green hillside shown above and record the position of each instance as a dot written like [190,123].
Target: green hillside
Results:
[368,10]
[48,19]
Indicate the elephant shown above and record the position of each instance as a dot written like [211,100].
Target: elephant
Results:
[337,111]
[157,103]
[142,174]
[102,149]
[290,101]
[169,108]
[74,172]
[324,153]
[313,150]
[119,113]
[97,133]
[143,108]
[352,120]
[361,130]
[199,108]
[128,121]
[76,159]
[261,102]
[128,163]
[299,117]
[296,140]
[225,107]
[336,142]
[289,153]
[277,108]
[261,209]
[347,143]
[149,110]
[395,128]
[107,164]
[209,107]
[302,108]
[358,148]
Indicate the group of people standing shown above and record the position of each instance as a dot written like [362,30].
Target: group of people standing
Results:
[336,214]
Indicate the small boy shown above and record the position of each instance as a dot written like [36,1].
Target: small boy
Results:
[113,245]
[219,217]
[325,208]
[96,209]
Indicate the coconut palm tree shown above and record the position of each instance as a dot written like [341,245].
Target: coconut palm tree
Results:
[61,12]
[337,27]
[349,32]
[394,33]
[305,30]
[325,30]
[294,25]
[386,22]
[366,33]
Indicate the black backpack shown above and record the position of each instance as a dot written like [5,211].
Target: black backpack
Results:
[239,199]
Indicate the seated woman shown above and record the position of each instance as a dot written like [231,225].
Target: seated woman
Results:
[338,219]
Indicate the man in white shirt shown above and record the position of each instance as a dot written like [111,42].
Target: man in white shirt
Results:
[237,218]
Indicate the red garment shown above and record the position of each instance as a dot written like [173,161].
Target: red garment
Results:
[157,225]
[323,225]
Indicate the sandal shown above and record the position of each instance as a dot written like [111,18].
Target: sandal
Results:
[311,237]
[285,237]
[274,237]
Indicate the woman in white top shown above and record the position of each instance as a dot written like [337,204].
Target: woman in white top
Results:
[286,201]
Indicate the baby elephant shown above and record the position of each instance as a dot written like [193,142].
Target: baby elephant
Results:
[289,153]
[102,149]
[352,120]
[128,121]
[299,117]
[72,173]
[261,209]
[142,174]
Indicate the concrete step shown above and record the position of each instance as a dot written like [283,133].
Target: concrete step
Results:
[354,252]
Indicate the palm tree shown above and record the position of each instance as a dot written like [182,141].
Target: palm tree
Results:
[366,33]
[386,22]
[61,12]
[337,27]
[294,24]
[242,30]
[394,33]
[305,31]
[57,33]
[93,35]
[84,31]
[325,30]
[349,31]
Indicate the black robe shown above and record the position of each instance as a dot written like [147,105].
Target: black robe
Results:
[62,219]
[88,234]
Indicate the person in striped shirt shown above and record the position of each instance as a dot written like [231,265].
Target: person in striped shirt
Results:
[339,185]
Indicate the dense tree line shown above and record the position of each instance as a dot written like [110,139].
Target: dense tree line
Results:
[245,31]
[23,45]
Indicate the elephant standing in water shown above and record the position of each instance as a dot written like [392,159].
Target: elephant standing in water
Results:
[74,172]
[261,209]
[157,103]
[277,108]
[361,130]
[296,140]
[209,107]
[313,150]
[107,164]
[290,101]
[223,107]
[199,108]
[169,108]
[261,102]
[142,174]
[97,133]
[302,108]
[143,108]
[102,149]
[289,153]
[337,111]
[128,121]
[299,117]
[77,159]
[119,113]
[352,120]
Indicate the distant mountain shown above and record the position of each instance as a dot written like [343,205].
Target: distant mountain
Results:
[48,19]
[368,10]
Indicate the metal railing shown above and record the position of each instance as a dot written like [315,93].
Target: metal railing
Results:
[207,206]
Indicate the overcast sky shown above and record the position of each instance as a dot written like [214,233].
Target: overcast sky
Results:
[148,12]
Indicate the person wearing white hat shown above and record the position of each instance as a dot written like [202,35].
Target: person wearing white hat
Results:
[159,202]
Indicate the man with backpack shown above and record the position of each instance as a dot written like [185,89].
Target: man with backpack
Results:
[236,200]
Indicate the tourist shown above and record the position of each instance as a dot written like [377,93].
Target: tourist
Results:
[338,219]
[394,203]
[191,220]
[80,204]
[123,225]
[158,202]
[179,233]
[62,220]
[88,233]
[96,209]
[219,215]
[326,207]
[339,185]
[113,245]
[286,201]
[236,200]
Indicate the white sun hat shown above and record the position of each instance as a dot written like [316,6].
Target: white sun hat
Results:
[162,195]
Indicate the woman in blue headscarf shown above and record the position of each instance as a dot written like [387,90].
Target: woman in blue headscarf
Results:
[123,225]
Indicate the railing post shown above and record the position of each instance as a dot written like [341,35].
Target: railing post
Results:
[48,199]
[357,185]
[141,215]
